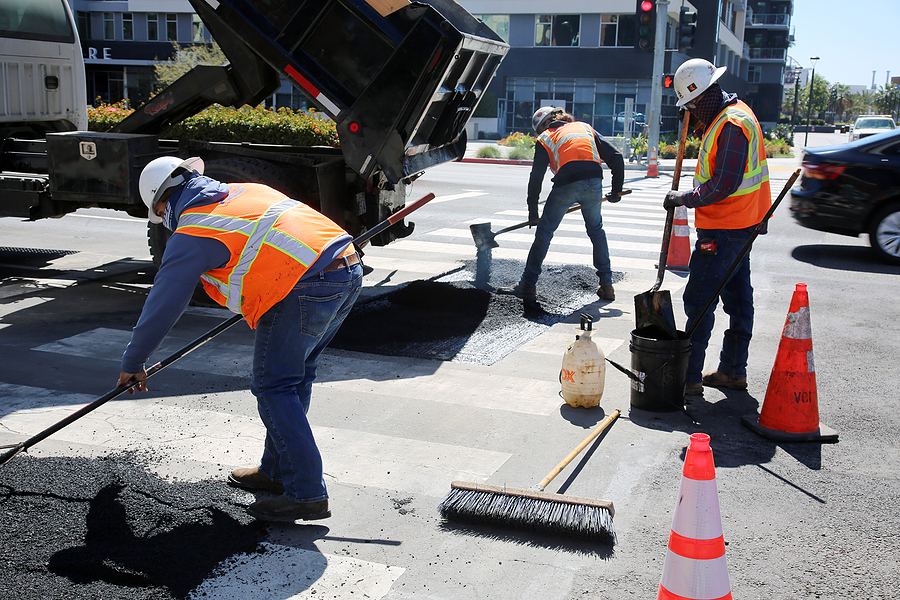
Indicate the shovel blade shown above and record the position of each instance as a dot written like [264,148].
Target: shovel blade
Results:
[484,238]
[654,309]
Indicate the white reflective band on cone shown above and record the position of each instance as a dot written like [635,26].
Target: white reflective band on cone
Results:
[696,579]
[697,516]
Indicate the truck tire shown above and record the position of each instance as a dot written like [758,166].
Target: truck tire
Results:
[884,233]
[157,236]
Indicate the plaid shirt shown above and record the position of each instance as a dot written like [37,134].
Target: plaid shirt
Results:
[732,153]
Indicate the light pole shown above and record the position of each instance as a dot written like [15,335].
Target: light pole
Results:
[797,72]
[812,80]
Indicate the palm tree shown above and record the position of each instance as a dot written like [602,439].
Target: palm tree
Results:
[862,103]
[844,100]
[887,100]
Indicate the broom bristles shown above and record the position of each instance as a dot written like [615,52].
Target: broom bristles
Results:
[584,518]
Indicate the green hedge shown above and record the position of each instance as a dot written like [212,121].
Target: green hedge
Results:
[247,124]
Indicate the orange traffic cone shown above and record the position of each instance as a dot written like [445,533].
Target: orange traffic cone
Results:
[680,245]
[695,565]
[790,412]
[652,168]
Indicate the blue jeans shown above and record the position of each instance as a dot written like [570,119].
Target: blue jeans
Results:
[589,192]
[707,272]
[289,338]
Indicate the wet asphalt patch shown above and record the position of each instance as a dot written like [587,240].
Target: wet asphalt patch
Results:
[108,528]
[450,319]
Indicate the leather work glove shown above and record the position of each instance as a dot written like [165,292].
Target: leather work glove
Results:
[613,197]
[672,200]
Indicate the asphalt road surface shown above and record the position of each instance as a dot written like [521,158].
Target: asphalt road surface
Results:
[130,501]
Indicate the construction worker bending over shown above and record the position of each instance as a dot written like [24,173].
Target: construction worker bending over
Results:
[730,198]
[294,276]
[573,151]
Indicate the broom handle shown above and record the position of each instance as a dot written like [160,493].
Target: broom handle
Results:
[597,431]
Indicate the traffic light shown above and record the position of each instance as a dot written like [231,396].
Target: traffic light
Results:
[686,29]
[668,80]
[645,25]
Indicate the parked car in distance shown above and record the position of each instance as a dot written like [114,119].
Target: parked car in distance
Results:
[852,189]
[871,125]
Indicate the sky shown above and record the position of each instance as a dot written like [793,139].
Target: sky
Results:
[852,38]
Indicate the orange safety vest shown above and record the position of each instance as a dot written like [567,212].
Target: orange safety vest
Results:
[272,239]
[748,205]
[572,141]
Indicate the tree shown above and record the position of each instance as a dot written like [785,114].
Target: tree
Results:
[863,103]
[184,59]
[821,97]
[887,100]
[843,101]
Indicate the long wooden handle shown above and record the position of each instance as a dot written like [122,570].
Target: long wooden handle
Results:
[597,431]
[682,141]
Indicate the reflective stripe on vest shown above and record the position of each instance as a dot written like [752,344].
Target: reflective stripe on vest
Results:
[264,227]
[572,141]
[747,205]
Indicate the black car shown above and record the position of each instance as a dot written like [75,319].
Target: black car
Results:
[852,189]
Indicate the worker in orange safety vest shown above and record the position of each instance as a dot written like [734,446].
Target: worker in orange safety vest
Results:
[291,272]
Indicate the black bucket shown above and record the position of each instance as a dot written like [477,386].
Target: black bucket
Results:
[661,365]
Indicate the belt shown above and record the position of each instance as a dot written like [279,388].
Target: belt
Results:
[342,262]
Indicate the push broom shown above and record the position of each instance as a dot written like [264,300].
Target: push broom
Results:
[535,509]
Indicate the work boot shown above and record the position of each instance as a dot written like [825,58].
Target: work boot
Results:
[693,389]
[528,293]
[253,480]
[606,291]
[721,380]
[280,508]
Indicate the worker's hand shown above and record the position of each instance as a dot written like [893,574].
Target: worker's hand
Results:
[672,200]
[613,197]
[533,216]
[126,378]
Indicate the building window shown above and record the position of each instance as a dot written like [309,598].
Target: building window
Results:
[84,25]
[197,30]
[499,24]
[172,27]
[152,27]
[109,26]
[616,31]
[754,74]
[557,30]
[127,26]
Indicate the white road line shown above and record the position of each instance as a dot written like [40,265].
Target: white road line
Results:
[174,434]
[469,194]
[288,573]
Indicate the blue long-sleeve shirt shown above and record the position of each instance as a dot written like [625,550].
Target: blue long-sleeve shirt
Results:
[185,259]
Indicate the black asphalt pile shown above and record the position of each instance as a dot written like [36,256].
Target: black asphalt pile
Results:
[450,319]
[107,528]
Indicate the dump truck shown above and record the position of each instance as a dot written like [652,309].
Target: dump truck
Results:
[400,80]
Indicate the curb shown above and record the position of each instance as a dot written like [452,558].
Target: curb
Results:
[527,163]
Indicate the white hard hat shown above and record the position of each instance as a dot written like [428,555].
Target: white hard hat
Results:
[157,177]
[693,78]
[541,115]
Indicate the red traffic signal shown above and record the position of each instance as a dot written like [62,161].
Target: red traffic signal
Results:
[645,25]
[668,80]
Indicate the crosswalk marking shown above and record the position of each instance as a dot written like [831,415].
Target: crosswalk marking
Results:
[218,439]
[580,242]
[469,194]
[289,573]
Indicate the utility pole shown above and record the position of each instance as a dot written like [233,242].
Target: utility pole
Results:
[659,56]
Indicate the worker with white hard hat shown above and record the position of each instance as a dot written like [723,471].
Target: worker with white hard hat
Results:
[730,198]
[575,153]
[291,272]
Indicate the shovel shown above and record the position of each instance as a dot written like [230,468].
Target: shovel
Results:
[654,308]
[484,237]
